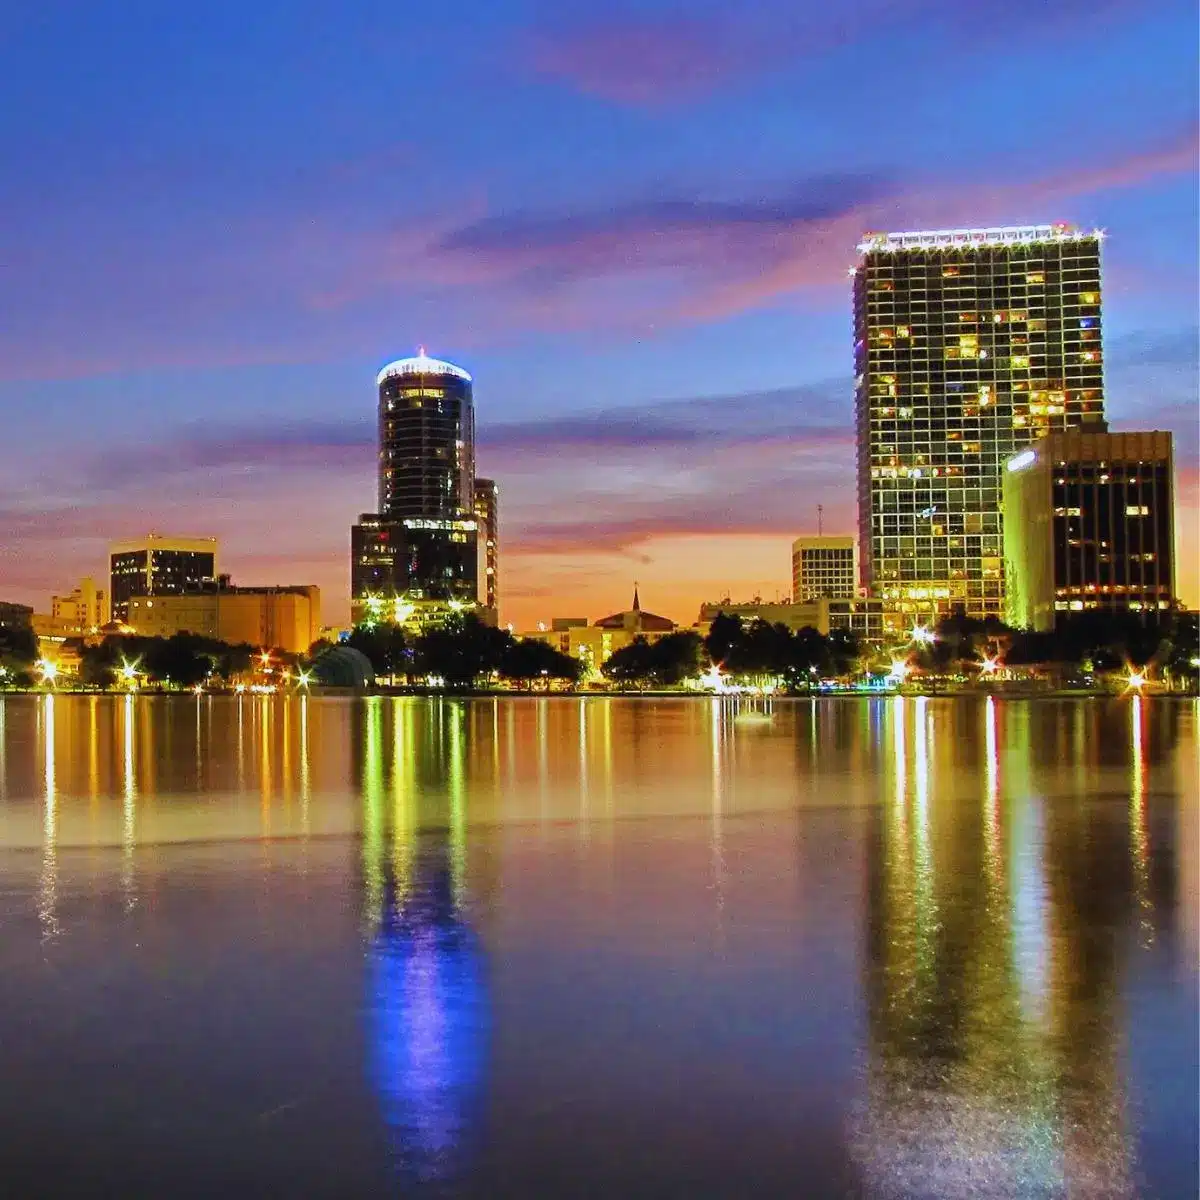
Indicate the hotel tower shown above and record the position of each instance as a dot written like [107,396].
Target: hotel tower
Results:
[969,345]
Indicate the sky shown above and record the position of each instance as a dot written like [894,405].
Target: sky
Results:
[631,223]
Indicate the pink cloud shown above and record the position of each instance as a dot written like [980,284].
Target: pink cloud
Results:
[646,61]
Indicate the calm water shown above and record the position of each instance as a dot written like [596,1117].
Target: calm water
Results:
[291,947]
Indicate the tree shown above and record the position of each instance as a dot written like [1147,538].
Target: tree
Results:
[530,658]
[18,648]
[723,635]
[385,647]
[630,664]
[460,650]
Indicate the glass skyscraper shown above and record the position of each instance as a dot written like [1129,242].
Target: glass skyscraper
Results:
[418,552]
[969,344]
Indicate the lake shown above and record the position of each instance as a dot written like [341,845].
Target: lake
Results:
[525,947]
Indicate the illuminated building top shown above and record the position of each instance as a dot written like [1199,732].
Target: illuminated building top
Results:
[969,239]
[420,364]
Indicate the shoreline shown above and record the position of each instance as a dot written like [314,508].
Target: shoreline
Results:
[647,694]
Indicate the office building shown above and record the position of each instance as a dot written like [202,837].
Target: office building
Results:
[1089,524]
[487,517]
[284,618]
[418,553]
[969,345]
[823,568]
[158,566]
[83,610]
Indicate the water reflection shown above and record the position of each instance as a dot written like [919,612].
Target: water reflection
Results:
[979,900]
[48,889]
[993,983]
[427,1006]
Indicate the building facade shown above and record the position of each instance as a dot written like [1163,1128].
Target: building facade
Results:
[487,517]
[82,610]
[420,548]
[284,618]
[158,566]
[823,568]
[1089,523]
[969,345]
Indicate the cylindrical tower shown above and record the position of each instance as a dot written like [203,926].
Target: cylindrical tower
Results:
[426,440]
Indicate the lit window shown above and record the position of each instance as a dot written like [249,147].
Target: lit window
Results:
[1036,277]
[1137,510]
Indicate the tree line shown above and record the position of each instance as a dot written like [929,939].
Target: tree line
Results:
[1096,640]
[462,652]
[747,653]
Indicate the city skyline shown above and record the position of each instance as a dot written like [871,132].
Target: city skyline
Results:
[663,357]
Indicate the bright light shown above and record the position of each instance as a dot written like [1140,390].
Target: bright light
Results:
[923,635]
[241,687]
[198,690]
[1196,662]
[712,678]
[401,611]
[899,670]
[988,666]
[1020,461]
[265,658]
[303,678]
[1137,679]
[128,671]
[456,606]
[48,669]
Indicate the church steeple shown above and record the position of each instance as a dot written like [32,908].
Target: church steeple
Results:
[637,604]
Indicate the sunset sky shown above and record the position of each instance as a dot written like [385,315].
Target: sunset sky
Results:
[632,224]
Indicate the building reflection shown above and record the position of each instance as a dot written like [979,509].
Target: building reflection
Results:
[1000,921]
[427,1004]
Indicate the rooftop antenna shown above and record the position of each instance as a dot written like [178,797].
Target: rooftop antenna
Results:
[820,520]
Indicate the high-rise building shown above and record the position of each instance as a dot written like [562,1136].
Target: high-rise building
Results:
[417,554]
[487,516]
[158,565]
[823,569]
[1089,523]
[969,344]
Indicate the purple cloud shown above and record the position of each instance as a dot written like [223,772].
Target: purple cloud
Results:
[659,59]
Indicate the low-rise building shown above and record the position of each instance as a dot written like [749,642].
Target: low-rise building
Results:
[594,644]
[82,610]
[863,617]
[285,617]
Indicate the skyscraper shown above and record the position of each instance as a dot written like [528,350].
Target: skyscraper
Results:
[487,516]
[1089,523]
[155,566]
[417,554]
[969,344]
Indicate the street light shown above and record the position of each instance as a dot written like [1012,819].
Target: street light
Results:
[923,635]
[988,666]
[48,669]
[1136,680]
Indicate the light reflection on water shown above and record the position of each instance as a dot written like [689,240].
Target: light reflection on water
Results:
[1012,886]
